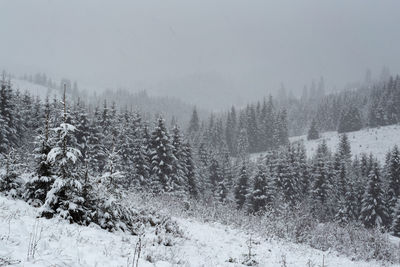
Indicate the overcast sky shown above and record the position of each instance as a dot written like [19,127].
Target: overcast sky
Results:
[209,52]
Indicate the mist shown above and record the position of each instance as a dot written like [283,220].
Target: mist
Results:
[209,53]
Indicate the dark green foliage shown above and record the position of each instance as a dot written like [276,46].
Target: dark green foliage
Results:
[242,187]
[350,120]
[313,131]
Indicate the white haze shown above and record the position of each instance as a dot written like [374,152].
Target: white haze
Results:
[210,52]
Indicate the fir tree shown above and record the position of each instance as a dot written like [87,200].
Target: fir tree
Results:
[178,178]
[194,123]
[313,133]
[242,188]
[396,220]
[259,195]
[64,196]
[393,178]
[40,183]
[373,212]
[190,173]
[161,158]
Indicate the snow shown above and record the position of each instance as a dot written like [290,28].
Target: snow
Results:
[376,140]
[34,89]
[59,243]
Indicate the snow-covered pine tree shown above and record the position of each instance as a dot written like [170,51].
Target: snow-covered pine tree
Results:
[393,179]
[178,180]
[227,171]
[82,125]
[194,123]
[396,220]
[41,181]
[161,158]
[96,151]
[320,188]
[288,176]
[190,173]
[302,171]
[9,181]
[215,177]
[230,131]
[127,127]
[243,144]
[313,133]
[242,187]
[140,157]
[6,116]
[373,212]
[259,196]
[64,197]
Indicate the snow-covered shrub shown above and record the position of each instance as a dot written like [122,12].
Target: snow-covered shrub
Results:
[10,181]
[296,225]
[10,184]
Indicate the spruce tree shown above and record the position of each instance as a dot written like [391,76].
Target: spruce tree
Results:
[313,131]
[161,158]
[393,178]
[64,196]
[40,183]
[178,178]
[396,220]
[192,184]
[242,187]
[194,123]
[373,212]
[259,195]
[7,129]
[320,188]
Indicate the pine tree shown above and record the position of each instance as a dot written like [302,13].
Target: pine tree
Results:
[373,212]
[7,130]
[178,178]
[64,196]
[9,181]
[161,158]
[243,144]
[194,123]
[40,183]
[287,176]
[320,183]
[96,150]
[396,220]
[259,195]
[242,188]
[393,178]
[190,173]
[350,120]
[215,176]
[313,131]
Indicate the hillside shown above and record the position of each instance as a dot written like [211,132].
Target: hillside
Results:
[33,89]
[57,243]
[369,140]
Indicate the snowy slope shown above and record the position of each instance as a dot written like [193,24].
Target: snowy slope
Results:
[33,89]
[375,140]
[63,244]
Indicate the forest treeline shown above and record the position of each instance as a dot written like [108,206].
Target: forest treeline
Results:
[81,160]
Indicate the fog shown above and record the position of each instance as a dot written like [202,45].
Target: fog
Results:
[212,53]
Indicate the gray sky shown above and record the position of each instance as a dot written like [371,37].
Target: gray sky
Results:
[209,52]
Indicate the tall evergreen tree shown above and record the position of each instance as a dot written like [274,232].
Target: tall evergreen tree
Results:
[161,157]
[242,187]
[313,131]
[373,212]
[64,196]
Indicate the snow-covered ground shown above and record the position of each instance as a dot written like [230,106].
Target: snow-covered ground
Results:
[376,140]
[34,89]
[57,243]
